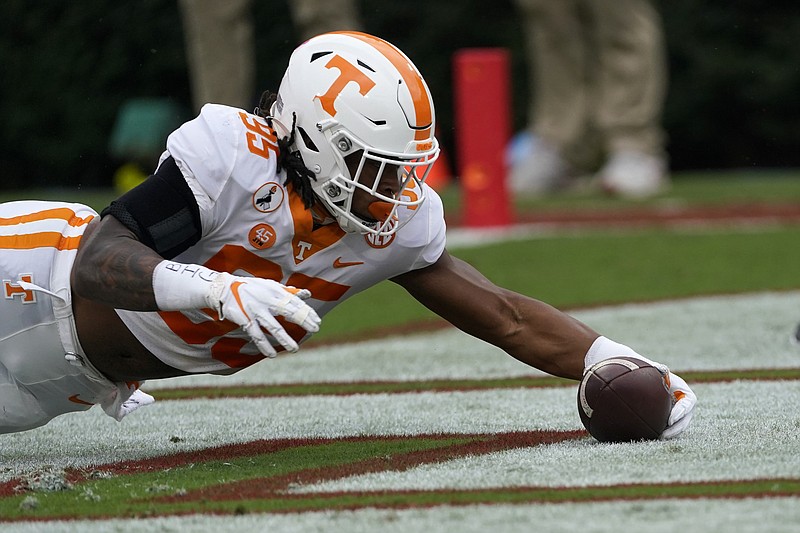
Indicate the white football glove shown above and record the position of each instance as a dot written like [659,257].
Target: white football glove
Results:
[253,303]
[683,398]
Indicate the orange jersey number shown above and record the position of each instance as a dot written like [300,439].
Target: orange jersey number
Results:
[260,137]
[228,349]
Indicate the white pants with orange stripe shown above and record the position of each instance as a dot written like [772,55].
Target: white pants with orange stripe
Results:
[42,369]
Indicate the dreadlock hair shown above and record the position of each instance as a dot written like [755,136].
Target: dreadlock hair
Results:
[296,172]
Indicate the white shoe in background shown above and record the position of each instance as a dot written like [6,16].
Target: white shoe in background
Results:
[541,169]
[635,175]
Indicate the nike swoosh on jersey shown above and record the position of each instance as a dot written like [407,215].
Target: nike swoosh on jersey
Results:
[74,399]
[338,263]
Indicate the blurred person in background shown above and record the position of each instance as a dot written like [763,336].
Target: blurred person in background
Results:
[313,17]
[220,51]
[220,43]
[598,78]
[221,57]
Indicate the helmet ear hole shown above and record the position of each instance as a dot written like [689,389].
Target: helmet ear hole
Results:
[307,140]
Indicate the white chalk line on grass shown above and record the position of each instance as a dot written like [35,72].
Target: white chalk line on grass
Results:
[724,332]
[753,420]
[773,515]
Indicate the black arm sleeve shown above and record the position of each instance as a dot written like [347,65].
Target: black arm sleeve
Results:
[161,211]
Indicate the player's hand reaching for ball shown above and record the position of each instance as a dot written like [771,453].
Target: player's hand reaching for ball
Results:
[254,303]
[684,399]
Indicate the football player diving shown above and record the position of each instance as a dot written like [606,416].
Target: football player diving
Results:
[252,228]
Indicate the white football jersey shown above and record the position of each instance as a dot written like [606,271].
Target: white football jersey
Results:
[254,225]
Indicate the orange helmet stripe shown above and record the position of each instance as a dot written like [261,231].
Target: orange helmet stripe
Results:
[412,78]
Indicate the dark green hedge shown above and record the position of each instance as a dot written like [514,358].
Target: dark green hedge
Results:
[68,66]
[735,82]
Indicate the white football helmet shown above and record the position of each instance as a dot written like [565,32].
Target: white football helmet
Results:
[350,91]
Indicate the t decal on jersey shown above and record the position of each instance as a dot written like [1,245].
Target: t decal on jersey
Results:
[302,247]
[12,290]
[261,139]
[307,241]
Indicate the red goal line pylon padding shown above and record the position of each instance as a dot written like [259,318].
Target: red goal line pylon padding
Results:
[482,119]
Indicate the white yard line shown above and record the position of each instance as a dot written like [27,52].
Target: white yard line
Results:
[753,420]
[756,420]
[748,331]
[778,515]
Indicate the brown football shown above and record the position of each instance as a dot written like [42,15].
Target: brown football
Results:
[624,399]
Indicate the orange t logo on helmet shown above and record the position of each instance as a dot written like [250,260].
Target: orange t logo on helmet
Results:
[347,73]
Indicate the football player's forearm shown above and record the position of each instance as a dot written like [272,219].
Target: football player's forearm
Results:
[529,330]
[114,268]
[548,339]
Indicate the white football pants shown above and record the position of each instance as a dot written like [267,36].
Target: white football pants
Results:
[42,369]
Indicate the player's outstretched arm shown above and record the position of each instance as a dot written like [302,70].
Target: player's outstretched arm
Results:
[528,329]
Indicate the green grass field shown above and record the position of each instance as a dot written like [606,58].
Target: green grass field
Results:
[441,432]
[434,432]
[611,266]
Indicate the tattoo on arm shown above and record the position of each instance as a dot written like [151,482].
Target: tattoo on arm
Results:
[114,268]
